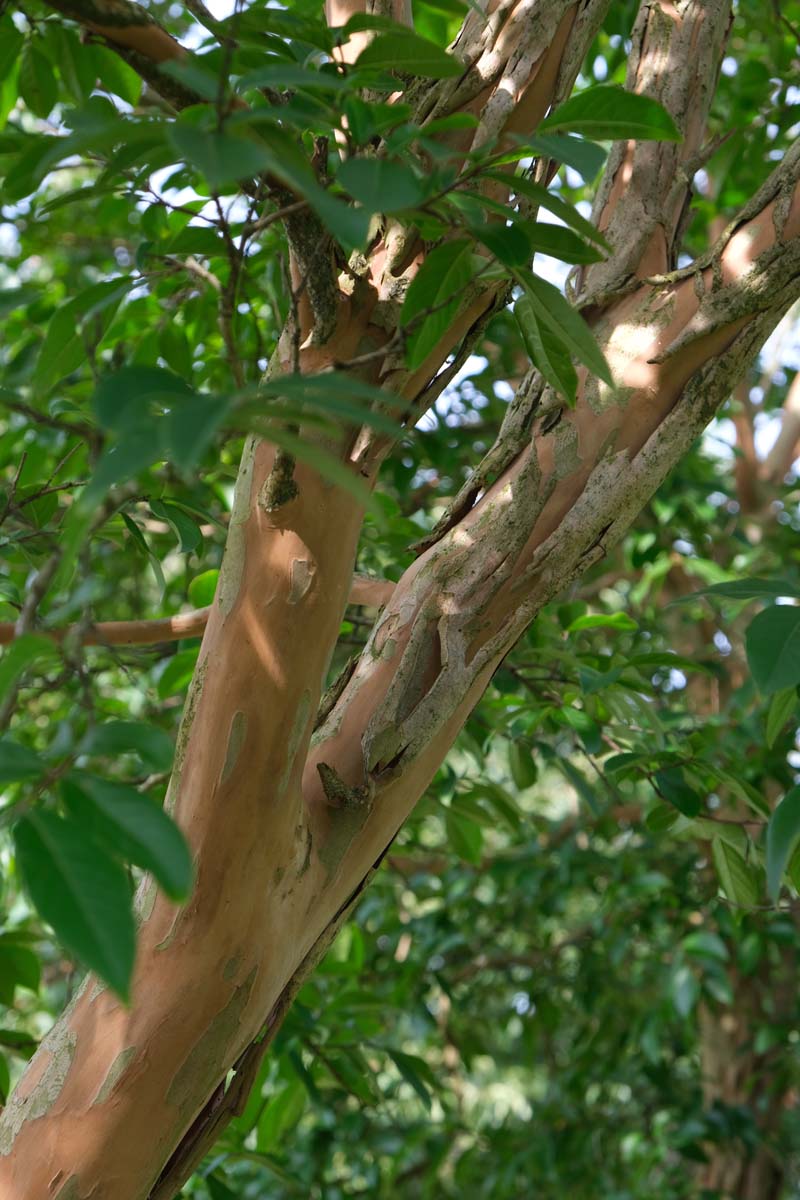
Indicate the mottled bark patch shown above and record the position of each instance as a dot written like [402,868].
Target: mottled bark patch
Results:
[207,1060]
[303,573]
[114,1074]
[28,1105]
[236,736]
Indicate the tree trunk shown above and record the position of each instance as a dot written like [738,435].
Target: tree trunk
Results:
[120,1103]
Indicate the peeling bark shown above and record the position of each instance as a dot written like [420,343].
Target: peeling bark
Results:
[286,829]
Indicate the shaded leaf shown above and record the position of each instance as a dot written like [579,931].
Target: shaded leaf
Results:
[772,640]
[610,112]
[82,892]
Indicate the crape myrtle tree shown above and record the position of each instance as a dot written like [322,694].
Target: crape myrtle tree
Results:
[299,230]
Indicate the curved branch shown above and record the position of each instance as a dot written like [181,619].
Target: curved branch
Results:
[364,592]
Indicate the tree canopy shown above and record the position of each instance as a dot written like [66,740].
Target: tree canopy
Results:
[364,265]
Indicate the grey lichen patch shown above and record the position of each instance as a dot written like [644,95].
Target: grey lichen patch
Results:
[236,737]
[60,1045]
[566,454]
[302,576]
[230,580]
[207,1061]
[114,1074]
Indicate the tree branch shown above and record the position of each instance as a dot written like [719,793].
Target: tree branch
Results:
[364,592]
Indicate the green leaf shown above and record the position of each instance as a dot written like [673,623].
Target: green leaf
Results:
[409,54]
[203,588]
[747,589]
[554,311]
[705,944]
[782,705]
[82,892]
[19,967]
[37,82]
[617,620]
[464,836]
[522,766]
[221,157]
[381,185]
[522,186]
[671,785]
[113,738]
[19,762]
[783,835]
[559,242]
[612,113]
[17,657]
[546,351]
[63,349]
[133,826]
[737,879]
[282,1112]
[291,75]
[508,243]
[772,640]
[439,285]
[116,76]
[185,529]
[142,544]
[661,818]
[18,1042]
[684,989]
[412,1068]
[177,675]
[585,157]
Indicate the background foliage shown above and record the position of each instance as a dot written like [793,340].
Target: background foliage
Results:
[588,889]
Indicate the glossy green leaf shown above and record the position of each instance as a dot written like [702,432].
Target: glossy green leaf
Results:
[559,242]
[782,705]
[22,653]
[113,738]
[221,157]
[554,311]
[185,529]
[381,185]
[546,351]
[783,835]
[203,588]
[435,293]
[609,112]
[82,892]
[408,54]
[19,762]
[133,826]
[37,82]
[583,156]
[736,877]
[671,785]
[773,647]
[617,620]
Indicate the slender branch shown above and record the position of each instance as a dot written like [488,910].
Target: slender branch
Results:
[366,592]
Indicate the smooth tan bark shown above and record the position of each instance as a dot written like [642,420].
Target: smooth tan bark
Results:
[119,1103]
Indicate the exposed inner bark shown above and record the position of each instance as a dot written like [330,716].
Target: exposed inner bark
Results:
[120,1103]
